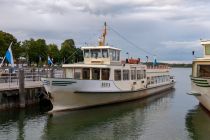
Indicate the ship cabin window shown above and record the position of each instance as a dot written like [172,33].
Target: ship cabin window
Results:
[139,75]
[105,74]
[96,53]
[203,71]
[152,80]
[118,55]
[69,73]
[105,53]
[77,73]
[96,74]
[144,74]
[86,53]
[114,54]
[133,74]
[117,75]
[126,75]
[207,49]
[86,73]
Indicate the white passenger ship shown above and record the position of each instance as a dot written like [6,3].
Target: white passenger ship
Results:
[104,79]
[200,79]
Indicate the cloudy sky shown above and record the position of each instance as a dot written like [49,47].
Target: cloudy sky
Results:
[169,29]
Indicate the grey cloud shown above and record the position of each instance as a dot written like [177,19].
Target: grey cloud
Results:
[160,27]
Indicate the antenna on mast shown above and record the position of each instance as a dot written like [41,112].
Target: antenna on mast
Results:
[103,36]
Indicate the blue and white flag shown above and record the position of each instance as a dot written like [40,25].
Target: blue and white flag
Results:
[9,55]
[155,61]
[49,61]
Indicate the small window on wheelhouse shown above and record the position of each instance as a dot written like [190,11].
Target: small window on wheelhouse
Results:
[117,75]
[86,53]
[105,74]
[96,74]
[207,49]
[86,73]
[105,53]
[96,53]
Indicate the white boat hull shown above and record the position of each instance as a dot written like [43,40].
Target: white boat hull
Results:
[82,95]
[202,89]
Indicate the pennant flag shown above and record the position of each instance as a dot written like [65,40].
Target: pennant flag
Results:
[147,57]
[9,55]
[193,52]
[49,61]
[155,61]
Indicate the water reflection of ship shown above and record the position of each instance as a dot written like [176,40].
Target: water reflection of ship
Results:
[107,122]
[198,123]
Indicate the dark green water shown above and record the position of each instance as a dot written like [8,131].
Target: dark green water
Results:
[172,115]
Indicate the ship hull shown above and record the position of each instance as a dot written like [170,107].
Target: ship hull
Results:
[201,88]
[63,99]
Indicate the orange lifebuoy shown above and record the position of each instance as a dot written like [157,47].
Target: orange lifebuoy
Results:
[133,61]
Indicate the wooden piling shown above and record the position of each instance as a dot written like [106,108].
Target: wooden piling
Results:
[21,88]
[51,72]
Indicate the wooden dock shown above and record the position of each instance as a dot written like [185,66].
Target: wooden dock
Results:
[19,90]
[15,85]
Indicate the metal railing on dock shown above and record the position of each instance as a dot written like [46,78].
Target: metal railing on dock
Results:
[32,78]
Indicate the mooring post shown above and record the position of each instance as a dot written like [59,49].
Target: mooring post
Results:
[21,88]
[51,72]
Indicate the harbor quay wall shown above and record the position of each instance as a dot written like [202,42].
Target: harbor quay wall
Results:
[10,99]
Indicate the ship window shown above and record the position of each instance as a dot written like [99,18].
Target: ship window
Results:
[133,74]
[110,53]
[86,53]
[96,53]
[113,54]
[105,53]
[203,70]
[144,75]
[105,74]
[138,74]
[95,74]
[117,75]
[117,55]
[69,73]
[77,73]
[207,49]
[86,73]
[126,75]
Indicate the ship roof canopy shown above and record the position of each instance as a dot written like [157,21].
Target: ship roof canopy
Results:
[100,47]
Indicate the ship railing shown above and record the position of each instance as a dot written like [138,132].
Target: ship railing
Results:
[158,67]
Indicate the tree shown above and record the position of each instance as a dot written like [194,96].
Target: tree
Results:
[36,51]
[68,51]
[5,40]
[54,53]
[79,55]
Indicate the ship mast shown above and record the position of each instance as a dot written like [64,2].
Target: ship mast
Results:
[103,37]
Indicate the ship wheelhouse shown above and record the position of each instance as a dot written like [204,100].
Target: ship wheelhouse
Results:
[97,64]
[201,66]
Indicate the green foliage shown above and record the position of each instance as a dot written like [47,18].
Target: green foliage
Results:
[5,40]
[79,55]
[35,50]
[54,53]
[68,51]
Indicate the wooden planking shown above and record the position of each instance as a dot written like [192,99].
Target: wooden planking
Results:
[15,85]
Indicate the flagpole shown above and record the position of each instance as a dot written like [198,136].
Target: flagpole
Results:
[2,61]
[5,55]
